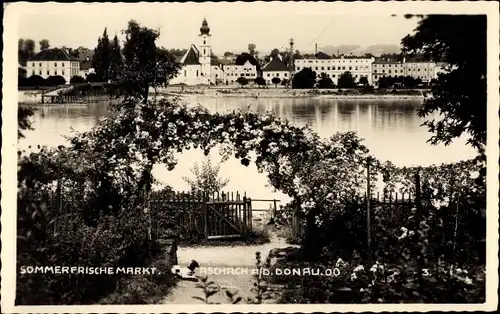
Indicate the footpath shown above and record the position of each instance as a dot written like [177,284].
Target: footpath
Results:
[237,258]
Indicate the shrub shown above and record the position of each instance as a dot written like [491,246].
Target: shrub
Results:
[55,80]
[77,80]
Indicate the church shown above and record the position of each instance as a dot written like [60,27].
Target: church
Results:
[196,64]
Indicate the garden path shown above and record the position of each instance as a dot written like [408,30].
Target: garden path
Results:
[236,257]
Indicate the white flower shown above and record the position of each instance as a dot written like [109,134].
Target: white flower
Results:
[358,268]
[340,263]
[474,175]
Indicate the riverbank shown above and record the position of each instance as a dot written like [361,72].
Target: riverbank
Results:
[374,94]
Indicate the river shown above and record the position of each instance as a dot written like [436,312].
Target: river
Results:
[391,130]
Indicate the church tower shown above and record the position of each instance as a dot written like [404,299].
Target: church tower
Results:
[205,50]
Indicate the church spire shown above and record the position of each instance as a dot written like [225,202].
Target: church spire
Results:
[204,29]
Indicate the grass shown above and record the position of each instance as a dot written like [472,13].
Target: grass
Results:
[143,289]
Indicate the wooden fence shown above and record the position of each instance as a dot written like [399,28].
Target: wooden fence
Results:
[198,216]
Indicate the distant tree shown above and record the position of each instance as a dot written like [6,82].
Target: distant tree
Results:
[115,59]
[101,58]
[285,82]
[274,53]
[305,78]
[392,56]
[23,120]
[228,54]
[44,44]
[322,55]
[267,58]
[206,178]
[145,64]
[91,78]
[25,50]
[242,81]
[363,80]
[35,80]
[346,80]
[251,49]
[325,82]
[260,81]
[22,81]
[77,80]
[368,55]
[276,81]
[55,80]
[385,82]
[409,82]
[177,52]
[297,55]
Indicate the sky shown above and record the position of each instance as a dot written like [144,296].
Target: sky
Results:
[233,25]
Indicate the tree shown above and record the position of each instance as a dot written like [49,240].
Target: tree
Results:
[251,49]
[459,94]
[35,80]
[177,52]
[25,50]
[297,55]
[23,120]
[55,80]
[242,81]
[325,82]
[116,60]
[206,178]
[322,55]
[274,53]
[77,80]
[145,64]
[44,44]
[276,81]
[409,82]
[102,57]
[228,54]
[363,80]
[285,82]
[305,78]
[260,81]
[91,78]
[346,80]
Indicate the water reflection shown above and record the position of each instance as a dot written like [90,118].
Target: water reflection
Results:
[391,130]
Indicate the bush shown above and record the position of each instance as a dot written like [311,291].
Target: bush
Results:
[77,80]
[55,80]
[35,81]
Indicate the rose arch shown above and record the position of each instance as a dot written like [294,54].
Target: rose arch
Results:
[124,148]
[112,164]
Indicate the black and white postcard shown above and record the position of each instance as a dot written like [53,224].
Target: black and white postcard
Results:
[250,156]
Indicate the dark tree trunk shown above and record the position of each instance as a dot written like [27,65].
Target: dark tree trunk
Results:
[312,249]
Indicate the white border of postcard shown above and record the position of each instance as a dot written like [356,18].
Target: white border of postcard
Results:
[12,15]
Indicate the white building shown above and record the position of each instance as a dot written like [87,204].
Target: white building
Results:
[232,72]
[53,62]
[86,68]
[424,70]
[335,67]
[387,68]
[275,68]
[197,68]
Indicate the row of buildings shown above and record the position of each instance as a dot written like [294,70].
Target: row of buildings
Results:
[199,68]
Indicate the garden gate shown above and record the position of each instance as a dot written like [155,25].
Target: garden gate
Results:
[195,216]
